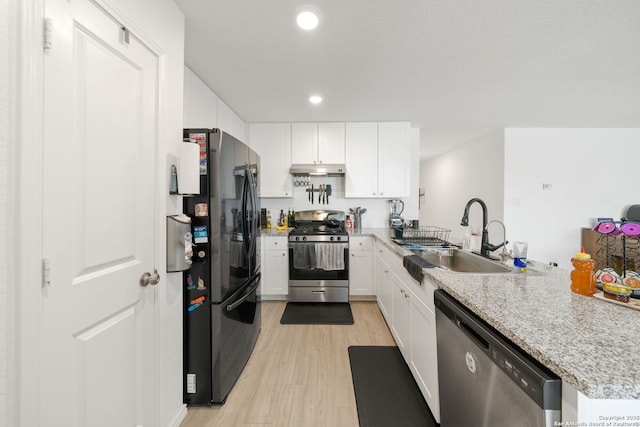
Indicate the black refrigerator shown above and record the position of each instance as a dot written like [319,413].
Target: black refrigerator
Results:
[221,310]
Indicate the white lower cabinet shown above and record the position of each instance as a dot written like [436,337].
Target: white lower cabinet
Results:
[409,310]
[361,266]
[424,355]
[275,266]
[383,287]
[401,314]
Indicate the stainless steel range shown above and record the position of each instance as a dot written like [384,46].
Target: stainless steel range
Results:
[319,257]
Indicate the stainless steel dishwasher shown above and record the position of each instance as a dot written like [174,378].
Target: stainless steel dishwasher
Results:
[485,380]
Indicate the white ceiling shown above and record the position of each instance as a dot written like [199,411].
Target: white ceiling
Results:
[458,69]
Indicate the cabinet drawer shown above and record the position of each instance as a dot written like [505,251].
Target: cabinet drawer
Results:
[276,243]
[318,294]
[360,243]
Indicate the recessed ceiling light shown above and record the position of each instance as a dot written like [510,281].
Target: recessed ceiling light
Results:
[308,17]
[315,99]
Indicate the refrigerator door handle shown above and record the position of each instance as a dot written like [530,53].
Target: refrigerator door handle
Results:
[250,290]
[245,228]
[254,211]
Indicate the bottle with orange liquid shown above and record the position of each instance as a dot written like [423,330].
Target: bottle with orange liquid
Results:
[583,278]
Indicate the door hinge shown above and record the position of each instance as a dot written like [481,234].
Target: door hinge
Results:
[125,35]
[47,28]
[46,272]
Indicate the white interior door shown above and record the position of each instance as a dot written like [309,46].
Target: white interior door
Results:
[100,129]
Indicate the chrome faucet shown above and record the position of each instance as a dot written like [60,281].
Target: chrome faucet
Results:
[485,247]
[503,255]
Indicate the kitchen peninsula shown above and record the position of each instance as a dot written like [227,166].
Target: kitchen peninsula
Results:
[590,344]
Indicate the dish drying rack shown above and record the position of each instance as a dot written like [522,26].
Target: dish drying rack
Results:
[428,235]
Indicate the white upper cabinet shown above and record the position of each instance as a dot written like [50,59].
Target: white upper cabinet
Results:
[203,109]
[331,143]
[378,160]
[394,159]
[361,179]
[230,122]
[200,103]
[318,143]
[272,142]
[304,143]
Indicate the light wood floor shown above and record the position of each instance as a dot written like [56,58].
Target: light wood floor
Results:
[298,375]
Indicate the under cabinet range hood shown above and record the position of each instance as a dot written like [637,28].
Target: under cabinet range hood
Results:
[319,169]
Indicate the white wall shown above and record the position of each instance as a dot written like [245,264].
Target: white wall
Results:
[475,169]
[7,130]
[376,215]
[593,173]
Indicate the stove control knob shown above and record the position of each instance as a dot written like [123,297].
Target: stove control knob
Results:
[339,238]
[298,238]
[304,238]
[331,238]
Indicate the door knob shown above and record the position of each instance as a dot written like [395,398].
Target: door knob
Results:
[150,278]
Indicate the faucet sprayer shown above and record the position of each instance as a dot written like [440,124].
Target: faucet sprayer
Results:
[502,245]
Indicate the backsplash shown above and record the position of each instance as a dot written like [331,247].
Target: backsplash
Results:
[377,214]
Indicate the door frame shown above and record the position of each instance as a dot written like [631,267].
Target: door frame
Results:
[25,277]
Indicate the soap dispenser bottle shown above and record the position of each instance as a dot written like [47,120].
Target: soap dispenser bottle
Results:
[583,278]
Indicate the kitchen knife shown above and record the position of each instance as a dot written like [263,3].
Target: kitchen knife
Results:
[328,192]
[311,194]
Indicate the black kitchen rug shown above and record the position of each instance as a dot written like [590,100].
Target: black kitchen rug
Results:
[386,393]
[317,313]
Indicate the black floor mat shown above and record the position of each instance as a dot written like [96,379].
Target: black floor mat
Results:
[317,313]
[386,393]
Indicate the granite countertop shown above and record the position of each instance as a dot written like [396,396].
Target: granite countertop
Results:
[274,232]
[591,344]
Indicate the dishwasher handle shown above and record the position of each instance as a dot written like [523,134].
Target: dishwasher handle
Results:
[466,323]
[472,334]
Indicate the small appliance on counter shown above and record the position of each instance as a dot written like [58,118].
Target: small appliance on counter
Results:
[396,207]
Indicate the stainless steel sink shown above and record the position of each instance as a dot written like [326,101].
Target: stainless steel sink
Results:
[459,261]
